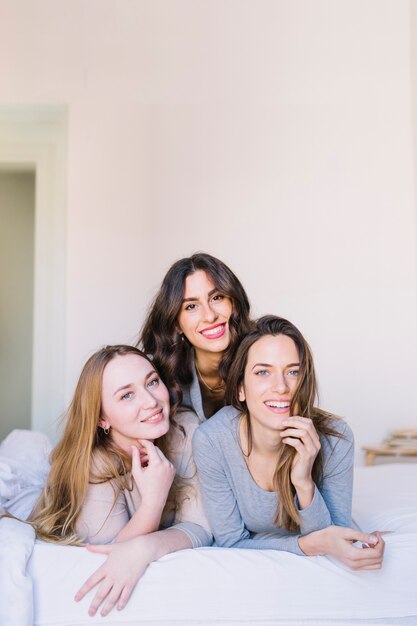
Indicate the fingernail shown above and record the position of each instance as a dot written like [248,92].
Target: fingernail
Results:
[373,539]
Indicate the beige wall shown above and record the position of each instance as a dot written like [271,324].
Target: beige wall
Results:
[278,135]
[17,203]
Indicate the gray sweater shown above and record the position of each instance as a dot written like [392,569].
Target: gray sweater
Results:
[241,514]
[192,398]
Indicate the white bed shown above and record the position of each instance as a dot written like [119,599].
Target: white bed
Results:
[212,586]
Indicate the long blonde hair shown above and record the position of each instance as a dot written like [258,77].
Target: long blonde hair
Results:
[303,402]
[58,508]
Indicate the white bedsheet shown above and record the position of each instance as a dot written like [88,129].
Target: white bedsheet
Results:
[231,586]
[213,586]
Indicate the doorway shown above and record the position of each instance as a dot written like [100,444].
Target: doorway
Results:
[33,157]
[17,234]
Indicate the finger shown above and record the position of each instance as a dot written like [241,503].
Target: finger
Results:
[311,442]
[136,460]
[100,548]
[356,535]
[89,584]
[124,597]
[368,567]
[150,449]
[296,420]
[305,423]
[101,594]
[294,443]
[160,454]
[362,556]
[111,600]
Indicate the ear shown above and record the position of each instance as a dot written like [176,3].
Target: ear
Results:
[242,396]
[103,423]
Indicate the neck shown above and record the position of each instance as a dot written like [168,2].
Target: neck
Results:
[126,443]
[208,362]
[264,441]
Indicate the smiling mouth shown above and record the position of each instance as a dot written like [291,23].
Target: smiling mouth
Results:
[278,405]
[154,418]
[215,332]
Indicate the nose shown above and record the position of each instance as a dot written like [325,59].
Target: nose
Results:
[280,383]
[148,400]
[210,315]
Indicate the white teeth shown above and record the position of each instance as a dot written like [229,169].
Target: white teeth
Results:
[154,418]
[278,405]
[213,331]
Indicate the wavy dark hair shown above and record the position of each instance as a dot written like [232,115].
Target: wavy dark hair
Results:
[172,353]
[302,403]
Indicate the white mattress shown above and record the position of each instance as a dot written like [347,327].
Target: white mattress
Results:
[213,586]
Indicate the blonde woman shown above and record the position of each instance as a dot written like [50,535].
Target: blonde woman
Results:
[112,475]
[275,471]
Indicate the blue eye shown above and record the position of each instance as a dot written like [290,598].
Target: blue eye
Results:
[293,372]
[153,382]
[261,373]
[127,395]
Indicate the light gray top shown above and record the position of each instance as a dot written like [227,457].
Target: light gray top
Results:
[102,516]
[241,514]
[192,398]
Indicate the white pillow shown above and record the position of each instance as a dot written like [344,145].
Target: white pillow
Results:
[24,466]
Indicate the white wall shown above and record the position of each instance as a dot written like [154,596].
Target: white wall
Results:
[279,135]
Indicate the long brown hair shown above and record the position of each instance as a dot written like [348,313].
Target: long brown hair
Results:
[172,353]
[303,402]
[55,515]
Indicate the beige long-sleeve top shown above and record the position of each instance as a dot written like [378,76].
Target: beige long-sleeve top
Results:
[102,518]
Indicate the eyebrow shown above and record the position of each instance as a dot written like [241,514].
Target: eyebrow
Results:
[192,299]
[269,365]
[148,375]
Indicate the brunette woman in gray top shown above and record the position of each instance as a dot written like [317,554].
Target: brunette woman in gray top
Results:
[194,325]
[275,471]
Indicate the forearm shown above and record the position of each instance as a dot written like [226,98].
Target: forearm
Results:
[287,543]
[316,515]
[164,542]
[145,520]
[305,493]
[199,535]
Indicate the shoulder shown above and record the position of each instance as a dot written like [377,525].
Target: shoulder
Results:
[188,420]
[342,429]
[339,443]
[216,428]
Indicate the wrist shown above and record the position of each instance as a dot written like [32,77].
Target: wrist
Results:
[305,492]
[312,544]
[152,502]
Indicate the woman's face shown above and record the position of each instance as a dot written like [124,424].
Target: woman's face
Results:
[134,400]
[204,315]
[270,380]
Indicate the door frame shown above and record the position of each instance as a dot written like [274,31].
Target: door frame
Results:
[35,137]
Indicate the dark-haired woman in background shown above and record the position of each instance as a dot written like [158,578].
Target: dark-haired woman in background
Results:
[275,471]
[194,325]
